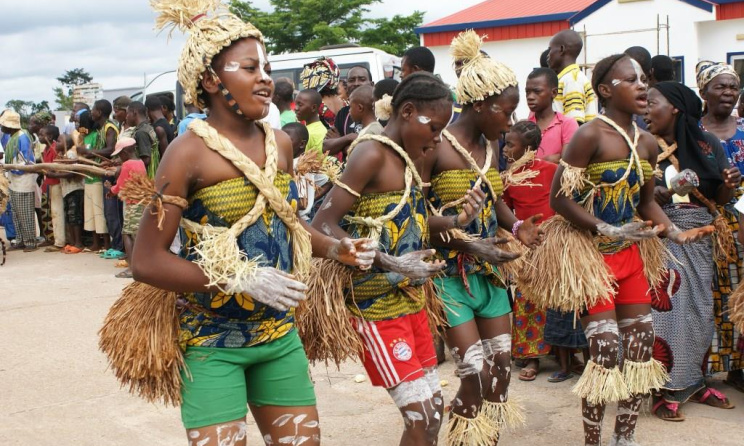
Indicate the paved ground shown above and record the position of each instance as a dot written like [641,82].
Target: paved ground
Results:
[55,390]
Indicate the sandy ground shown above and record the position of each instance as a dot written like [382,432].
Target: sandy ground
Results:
[55,389]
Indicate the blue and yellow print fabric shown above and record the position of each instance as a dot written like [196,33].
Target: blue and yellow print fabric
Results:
[377,293]
[615,205]
[451,185]
[236,320]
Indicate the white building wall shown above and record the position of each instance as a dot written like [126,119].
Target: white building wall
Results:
[626,17]
[717,39]
[522,56]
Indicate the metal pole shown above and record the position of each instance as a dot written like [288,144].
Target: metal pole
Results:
[667,29]
[658,30]
[586,48]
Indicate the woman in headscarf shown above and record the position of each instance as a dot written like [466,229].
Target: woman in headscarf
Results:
[687,308]
[719,86]
[323,75]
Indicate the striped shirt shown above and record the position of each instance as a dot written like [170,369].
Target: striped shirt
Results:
[575,98]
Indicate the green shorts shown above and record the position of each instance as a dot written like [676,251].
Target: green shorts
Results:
[487,300]
[225,380]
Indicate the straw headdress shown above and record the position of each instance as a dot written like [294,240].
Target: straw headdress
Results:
[481,76]
[211,29]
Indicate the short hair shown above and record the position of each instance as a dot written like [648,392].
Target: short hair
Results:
[52,130]
[122,102]
[86,120]
[602,69]
[420,88]
[104,106]
[663,67]
[369,73]
[138,108]
[364,95]
[297,127]
[313,95]
[284,91]
[549,74]
[166,101]
[385,86]
[544,59]
[81,105]
[153,102]
[642,56]
[420,56]
[529,132]
[571,40]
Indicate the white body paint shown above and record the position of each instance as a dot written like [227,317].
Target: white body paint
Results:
[432,379]
[472,362]
[410,392]
[601,326]
[229,434]
[498,345]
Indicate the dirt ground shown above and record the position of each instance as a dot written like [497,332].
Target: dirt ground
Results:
[55,389]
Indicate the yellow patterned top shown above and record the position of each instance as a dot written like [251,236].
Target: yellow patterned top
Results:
[236,320]
[451,185]
[378,294]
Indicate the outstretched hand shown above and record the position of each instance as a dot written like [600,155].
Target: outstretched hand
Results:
[474,200]
[488,250]
[358,252]
[271,287]
[634,231]
[691,235]
[530,233]
[412,264]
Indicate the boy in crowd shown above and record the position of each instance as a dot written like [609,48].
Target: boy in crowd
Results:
[169,111]
[73,194]
[283,96]
[120,115]
[418,58]
[362,110]
[131,165]
[575,97]
[52,188]
[541,89]
[163,130]
[144,134]
[662,70]
[306,106]
[344,130]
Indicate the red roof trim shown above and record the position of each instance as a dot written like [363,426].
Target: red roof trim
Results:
[730,11]
[494,34]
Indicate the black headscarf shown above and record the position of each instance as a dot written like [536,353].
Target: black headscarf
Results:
[687,131]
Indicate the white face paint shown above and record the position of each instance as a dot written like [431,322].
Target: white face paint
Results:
[232,66]
[615,82]
[638,70]
[424,119]
[262,62]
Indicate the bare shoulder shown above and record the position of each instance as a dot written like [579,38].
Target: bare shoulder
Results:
[648,147]
[284,145]
[368,154]
[583,145]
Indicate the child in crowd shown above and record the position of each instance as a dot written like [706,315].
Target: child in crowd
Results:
[283,98]
[575,98]
[556,129]
[130,165]
[529,322]
[306,106]
[362,110]
[305,185]
[93,215]
[382,88]
[73,195]
[51,186]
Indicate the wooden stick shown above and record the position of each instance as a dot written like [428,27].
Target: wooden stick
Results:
[60,167]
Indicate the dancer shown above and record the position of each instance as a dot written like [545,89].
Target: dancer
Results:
[383,200]
[602,184]
[719,86]
[476,303]
[673,114]
[237,325]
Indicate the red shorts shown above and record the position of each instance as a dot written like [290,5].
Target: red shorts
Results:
[632,286]
[396,350]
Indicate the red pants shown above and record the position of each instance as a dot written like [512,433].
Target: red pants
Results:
[632,286]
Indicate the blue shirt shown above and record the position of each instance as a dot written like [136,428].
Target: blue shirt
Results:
[24,149]
[184,124]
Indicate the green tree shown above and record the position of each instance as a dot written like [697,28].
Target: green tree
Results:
[393,35]
[307,25]
[71,79]
[26,108]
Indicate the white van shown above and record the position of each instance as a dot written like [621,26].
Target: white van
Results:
[380,64]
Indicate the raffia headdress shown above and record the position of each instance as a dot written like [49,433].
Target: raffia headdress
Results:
[481,76]
[211,28]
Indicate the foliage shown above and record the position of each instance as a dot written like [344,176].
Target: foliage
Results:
[69,80]
[308,25]
[27,108]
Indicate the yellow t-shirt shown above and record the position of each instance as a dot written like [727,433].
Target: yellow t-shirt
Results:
[317,133]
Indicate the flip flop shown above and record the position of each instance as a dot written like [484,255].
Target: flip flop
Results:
[121,264]
[559,377]
[527,374]
[126,274]
[73,250]
[711,392]
[670,406]
[53,248]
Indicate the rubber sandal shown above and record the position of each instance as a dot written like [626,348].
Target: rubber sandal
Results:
[121,264]
[73,250]
[709,391]
[559,377]
[527,374]
[53,248]
[118,255]
[126,274]
[672,407]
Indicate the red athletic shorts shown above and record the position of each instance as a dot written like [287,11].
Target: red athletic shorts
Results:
[632,286]
[396,350]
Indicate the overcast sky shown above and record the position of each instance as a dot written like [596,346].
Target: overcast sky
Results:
[113,40]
